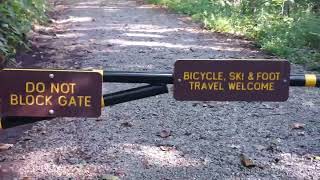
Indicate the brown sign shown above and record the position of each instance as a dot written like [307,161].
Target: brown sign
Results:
[231,80]
[50,93]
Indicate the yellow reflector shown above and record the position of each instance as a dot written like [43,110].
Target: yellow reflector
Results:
[311,80]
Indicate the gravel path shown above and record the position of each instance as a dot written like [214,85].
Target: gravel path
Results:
[158,137]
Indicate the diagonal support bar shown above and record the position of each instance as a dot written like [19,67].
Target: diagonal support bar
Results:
[134,94]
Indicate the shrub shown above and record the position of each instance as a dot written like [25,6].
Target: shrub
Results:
[16,18]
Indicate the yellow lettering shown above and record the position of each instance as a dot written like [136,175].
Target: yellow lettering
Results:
[40,87]
[38,100]
[72,101]
[80,98]
[64,87]
[55,88]
[72,87]
[186,75]
[48,100]
[29,100]
[191,85]
[197,85]
[14,100]
[30,87]
[196,76]
[87,101]
[62,100]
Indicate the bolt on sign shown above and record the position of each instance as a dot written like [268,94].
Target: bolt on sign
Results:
[50,93]
[231,80]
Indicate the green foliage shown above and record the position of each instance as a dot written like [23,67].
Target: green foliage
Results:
[287,28]
[16,18]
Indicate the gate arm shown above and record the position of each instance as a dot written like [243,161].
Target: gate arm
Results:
[308,80]
[157,81]
[138,77]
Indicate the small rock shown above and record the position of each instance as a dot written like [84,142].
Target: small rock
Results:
[126,124]
[233,146]
[166,148]
[27,139]
[204,105]
[297,126]
[109,177]
[300,133]
[246,161]
[187,133]
[2,159]
[73,161]
[164,133]
[146,164]
[4,147]
[260,147]
[119,173]
[316,158]
[202,137]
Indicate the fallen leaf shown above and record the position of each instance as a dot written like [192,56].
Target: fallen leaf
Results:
[246,161]
[4,147]
[165,133]
[297,126]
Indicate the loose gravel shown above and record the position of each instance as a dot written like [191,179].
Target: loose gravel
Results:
[204,140]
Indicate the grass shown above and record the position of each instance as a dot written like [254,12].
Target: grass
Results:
[295,37]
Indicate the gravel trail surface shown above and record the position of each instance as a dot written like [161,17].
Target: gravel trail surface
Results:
[158,137]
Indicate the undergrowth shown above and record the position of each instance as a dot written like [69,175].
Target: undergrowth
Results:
[286,28]
[16,18]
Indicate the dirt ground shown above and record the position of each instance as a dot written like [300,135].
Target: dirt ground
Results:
[158,137]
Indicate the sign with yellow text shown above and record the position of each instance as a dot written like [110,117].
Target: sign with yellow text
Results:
[231,80]
[50,93]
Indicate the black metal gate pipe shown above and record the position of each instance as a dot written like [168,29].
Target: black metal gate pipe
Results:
[137,77]
[134,94]
[9,122]
[308,80]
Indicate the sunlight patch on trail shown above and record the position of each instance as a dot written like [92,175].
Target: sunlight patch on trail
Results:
[156,156]
[122,42]
[144,35]
[73,19]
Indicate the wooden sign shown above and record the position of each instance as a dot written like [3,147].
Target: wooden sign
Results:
[50,93]
[231,80]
